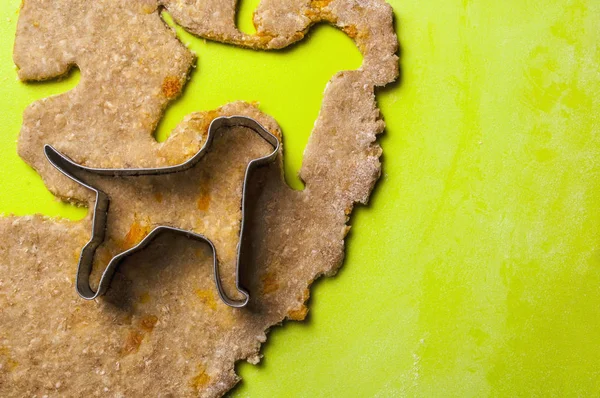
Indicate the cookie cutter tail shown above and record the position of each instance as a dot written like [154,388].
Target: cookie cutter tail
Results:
[71,169]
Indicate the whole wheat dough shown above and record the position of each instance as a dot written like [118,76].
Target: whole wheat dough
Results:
[161,330]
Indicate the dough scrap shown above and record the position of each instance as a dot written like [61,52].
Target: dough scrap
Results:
[161,330]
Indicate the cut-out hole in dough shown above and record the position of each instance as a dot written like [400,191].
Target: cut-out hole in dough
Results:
[56,86]
[288,84]
[245,15]
[28,195]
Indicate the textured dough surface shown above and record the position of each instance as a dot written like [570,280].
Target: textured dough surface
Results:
[161,330]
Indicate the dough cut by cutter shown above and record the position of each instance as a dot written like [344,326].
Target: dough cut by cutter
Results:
[161,330]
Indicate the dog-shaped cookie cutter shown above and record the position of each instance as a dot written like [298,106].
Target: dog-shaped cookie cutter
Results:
[69,168]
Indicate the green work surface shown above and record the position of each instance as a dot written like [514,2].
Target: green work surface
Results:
[475,271]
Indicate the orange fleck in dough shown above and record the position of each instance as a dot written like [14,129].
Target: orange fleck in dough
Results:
[320,3]
[204,201]
[6,361]
[312,14]
[264,37]
[148,8]
[159,197]
[206,120]
[77,254]
[11,364]
[171,87]
[270,284]
[207,298]
[200,380]
[148,322]
[351,31]
[132,342]
[298,314]
[136,233]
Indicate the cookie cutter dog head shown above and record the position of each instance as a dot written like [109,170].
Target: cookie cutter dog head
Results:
[69,168]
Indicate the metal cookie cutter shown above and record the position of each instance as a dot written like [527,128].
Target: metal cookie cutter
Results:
[69,168]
